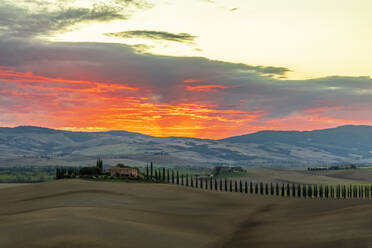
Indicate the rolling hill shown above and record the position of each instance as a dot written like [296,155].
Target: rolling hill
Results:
[27,145]
[77,213]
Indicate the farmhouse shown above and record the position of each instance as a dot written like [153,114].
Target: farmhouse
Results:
[122,170]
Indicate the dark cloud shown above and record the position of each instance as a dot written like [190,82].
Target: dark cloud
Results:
[35,18]
[154,35]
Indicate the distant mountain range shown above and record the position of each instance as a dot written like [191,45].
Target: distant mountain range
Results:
[28,145]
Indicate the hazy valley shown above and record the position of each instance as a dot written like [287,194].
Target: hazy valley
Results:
[24,146]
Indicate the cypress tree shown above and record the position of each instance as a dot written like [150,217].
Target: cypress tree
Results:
[191,181]
[201,182]
[163,174]
[246,187]
[197,182]
[177,178]
[261,188]
[277,189]
[99,165]
[282,190]
[367,191]
[310,191]
[347,191]
[299,191]
[221,186]
[226,185]
[151,170]
[256,188]
[351,191]
[168,176]
[187,180]
[172,176]
[210,183]
[182,179]
[156,175]
[147,172]
[241,186]
[356,191]
[271,189]
[288,190]
[293,190]
[344,191]
[333,191]
[231,186]
[360,191]
[215,184]
[251,187]
[236,186]
[266,188]
[304,190]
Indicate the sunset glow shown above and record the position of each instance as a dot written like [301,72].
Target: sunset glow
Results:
[211,69]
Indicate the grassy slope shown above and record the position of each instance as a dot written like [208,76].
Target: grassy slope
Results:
[75,213]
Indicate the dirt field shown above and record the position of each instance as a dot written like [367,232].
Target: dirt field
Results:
[75,213]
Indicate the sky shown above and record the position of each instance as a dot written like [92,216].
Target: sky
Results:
[192,68]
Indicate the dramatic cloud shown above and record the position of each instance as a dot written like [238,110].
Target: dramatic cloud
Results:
[154,35]
[92,86]
[30,18]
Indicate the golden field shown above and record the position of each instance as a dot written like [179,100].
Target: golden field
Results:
[78,213]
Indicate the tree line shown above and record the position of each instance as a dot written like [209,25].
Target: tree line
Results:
[310,191]
[73,172]
[173,176]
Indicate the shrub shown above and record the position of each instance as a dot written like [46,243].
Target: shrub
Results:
[94,170]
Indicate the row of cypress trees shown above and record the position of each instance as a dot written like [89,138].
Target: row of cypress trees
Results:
[67,172]
[286,190]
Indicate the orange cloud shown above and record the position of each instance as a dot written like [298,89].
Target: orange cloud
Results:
[192,80]
[206,88]
[97,106]
[84,105]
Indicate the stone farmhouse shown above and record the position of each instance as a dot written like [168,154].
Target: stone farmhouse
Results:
[124,171]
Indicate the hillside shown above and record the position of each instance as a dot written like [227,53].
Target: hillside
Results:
[76,213]
[42,146]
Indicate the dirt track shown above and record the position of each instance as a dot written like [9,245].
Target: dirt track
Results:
[74,213]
